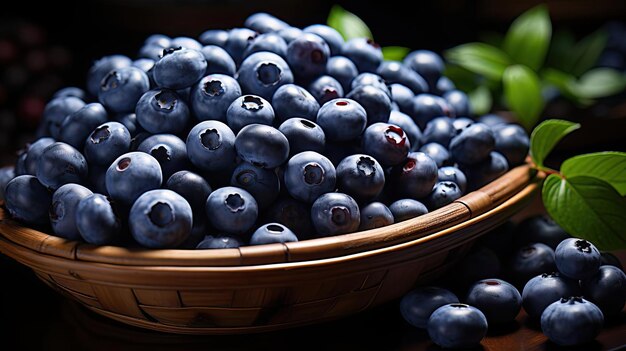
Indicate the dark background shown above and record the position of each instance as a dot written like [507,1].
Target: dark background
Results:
[49,45]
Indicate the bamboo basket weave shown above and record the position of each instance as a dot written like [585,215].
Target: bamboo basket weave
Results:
[266,287]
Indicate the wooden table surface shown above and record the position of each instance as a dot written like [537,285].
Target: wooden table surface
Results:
[33,317]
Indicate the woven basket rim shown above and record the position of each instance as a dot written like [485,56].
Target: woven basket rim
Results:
[467,207]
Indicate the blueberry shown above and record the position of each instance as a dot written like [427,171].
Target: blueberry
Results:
[397,73]
[452,174]
[249,109]
[27,200]
[342,69]
[77,126]
[418,304]
[498,300]
[129,120]
[365,53]
[271,42]
[56,110]
[106,143]
[403,97]
[307,55]
[63,210]
[407,125]
[231,210]
[158,39]
[212,95]
[443,193]
[461,123]
[7,173]
[290,33]
[308,175]
[334,214]
[211,146]
[60,164]
[162,111]
[152,51]
[457,325]
[577,258]
[486,171]
[192,187]
[237,41]
[97,221]
[303,135]
[439,130]
[262,145]
[376,103]
[272,233]
[571,321]
[512,142]
[169,150]
[70,91]
[218,61]
[330,35]
[375,215]
[372,79]
[263,23]
[131,175]
[437,152]
[480,263]
[342,119]
[427,64]
[415,177]
[160,219]
[291,100]
[216,37]
[386,143]
[325,88]
[405,209]
[540,229]
[361,177]
[121,88]
[607,289]
[33,153]
[145,65]
[529,261]
[219,242]
[179,68]
[544,289]
[101,68]
[262,73]
[262,183]
[444,85]
[185,43]
[458,101]
[425,107]
[492,120]
[292,214]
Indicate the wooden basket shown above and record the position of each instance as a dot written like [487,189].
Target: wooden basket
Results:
[266,287]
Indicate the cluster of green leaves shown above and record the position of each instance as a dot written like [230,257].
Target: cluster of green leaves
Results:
[519,68]
[587,197]
[351,26]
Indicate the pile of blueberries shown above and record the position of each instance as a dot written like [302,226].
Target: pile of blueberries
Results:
[254,135]
[568,288]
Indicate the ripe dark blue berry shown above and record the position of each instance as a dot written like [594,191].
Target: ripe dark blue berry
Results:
[97,221]
[443,193]
[27,200]
[404,209]
[211,146]
[131,175]
[387,143]
[303,135]
[544,289]
[415,177]
[231,210]
[342,119]
[272,233]
[262,73]
[577,258]
[179,68]
[375,215]
[361,177]
[60,164]
[262,145]
[162,111]
[498,300]
[571,321]
[249,109]
[308,175]
[365,53]
[607,289]
[457,325]
[334,214]
[63,210]
[212,95]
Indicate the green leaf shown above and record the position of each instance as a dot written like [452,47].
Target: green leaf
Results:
[348,24]
[560,51]
[607,166]
[480,58]
[480,100]
[522,90]
[463,79]
[586,52]
[587,208]
[546,135]
[528,38]
[395,53]
[600,82]
[566,84]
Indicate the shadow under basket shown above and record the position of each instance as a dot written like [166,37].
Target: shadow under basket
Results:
[266,287]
